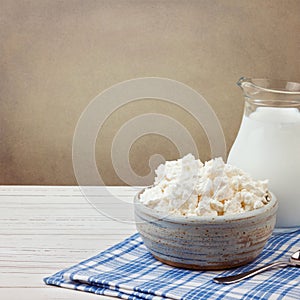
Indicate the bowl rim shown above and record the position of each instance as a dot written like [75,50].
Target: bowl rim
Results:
[272,205]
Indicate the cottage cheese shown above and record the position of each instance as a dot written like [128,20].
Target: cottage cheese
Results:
[188,187]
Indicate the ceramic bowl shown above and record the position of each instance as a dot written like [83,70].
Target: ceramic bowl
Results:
[205,243]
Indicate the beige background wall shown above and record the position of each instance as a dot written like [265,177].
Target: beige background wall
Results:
[55,56]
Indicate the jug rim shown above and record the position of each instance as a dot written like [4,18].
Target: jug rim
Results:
[277,86]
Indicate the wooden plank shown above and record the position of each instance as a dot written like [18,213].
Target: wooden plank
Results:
[46,229]
[63,199]
[67,190]
[48,293]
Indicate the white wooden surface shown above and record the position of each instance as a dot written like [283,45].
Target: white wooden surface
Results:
[45,229]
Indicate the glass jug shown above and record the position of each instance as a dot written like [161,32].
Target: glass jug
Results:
[268,143]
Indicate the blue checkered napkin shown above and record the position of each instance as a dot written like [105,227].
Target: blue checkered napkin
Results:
[128,271]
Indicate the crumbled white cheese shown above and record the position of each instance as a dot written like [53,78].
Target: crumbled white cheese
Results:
[188,187]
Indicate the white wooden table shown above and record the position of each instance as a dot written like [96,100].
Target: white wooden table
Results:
[46,229]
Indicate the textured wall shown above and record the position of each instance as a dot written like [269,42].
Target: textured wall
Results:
[55,56]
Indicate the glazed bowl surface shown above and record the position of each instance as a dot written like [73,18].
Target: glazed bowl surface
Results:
[204,242]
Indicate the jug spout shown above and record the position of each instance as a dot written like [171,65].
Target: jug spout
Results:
[242,81]
[248,87]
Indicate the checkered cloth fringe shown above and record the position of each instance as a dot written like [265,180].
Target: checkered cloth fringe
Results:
[128,271]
